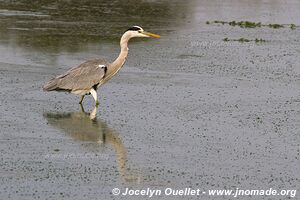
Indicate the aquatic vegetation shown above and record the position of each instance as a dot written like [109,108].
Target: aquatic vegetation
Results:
[256,40]
[245,24]
[242,24]
[248,24]
[219,22]
[276,26]
[293,26]
[243,40]
[259,40]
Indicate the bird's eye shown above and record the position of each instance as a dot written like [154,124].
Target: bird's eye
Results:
[139,31]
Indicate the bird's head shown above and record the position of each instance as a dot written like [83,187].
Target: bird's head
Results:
[137,31]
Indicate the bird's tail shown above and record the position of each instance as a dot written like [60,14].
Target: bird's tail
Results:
[51,85]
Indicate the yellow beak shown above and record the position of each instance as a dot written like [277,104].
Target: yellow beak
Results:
[151,34]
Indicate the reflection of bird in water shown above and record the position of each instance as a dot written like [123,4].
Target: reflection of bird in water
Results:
[90,75]
[86,127]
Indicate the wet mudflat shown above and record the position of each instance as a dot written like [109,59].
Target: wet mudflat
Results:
[187,110]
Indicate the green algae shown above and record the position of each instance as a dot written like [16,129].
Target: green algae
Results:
[276,26]
[242,40]
[249,24]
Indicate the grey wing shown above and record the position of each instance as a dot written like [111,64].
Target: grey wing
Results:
[87,75]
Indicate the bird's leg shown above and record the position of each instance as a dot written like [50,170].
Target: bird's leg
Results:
[93,114]
[82,97]
[94,94]
[82,108]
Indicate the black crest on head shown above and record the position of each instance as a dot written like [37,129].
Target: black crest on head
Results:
[134,28]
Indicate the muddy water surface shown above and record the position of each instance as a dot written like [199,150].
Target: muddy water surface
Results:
[187,110]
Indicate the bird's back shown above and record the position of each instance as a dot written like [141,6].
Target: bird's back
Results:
[81,78]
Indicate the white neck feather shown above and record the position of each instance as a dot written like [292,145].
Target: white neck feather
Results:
[119,62]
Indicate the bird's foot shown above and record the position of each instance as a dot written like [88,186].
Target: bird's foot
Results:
[97,103]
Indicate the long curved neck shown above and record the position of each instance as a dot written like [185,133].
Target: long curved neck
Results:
[119,62]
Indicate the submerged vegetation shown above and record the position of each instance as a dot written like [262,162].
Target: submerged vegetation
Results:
[276,25]
[256,40]
[248,24]
[293,26]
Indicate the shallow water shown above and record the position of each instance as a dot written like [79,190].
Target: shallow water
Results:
[187,110]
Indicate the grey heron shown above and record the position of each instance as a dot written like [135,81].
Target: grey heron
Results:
[89,76]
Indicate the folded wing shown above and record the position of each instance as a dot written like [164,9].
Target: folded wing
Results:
[84,77]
